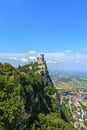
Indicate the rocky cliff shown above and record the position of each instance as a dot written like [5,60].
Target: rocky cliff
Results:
[37,89]
[42,70]
[28,99]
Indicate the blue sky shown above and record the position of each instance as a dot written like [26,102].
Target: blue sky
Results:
[52,27]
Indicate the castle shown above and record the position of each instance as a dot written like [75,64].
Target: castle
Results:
[42,69]
[42,63]
[41,59]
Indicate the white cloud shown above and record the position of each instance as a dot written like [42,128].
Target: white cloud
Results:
[55,61]
[65,59]
[13,58]
[77,61]
[63,56]
[31,52]
[61,61]
[68,51]
[21,57]
[32,57]
[56,57]
[52,61]
[24,60]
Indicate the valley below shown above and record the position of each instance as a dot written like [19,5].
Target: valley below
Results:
[73,97]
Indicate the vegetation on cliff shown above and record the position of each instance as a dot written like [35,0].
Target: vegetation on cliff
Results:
[26,103]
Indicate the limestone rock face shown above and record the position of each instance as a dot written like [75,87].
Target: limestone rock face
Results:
[36,86]
[43,70]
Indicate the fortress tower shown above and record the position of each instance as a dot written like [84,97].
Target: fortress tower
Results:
[42,69]
[41,59]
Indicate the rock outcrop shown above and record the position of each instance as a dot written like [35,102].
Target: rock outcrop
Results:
[43,70]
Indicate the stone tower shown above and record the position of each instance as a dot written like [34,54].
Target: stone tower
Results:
[41,59]
[43,70]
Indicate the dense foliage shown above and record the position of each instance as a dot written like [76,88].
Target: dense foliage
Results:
[26,103]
